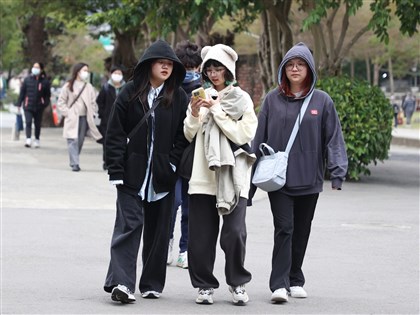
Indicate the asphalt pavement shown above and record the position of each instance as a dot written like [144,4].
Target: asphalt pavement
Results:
[56,226]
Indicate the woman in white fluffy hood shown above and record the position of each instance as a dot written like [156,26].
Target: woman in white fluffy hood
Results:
[223,124]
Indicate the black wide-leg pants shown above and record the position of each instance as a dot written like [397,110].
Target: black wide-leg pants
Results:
[203,232]
[134,217]
[292,219]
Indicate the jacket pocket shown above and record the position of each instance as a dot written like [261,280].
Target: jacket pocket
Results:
[164,177]
[134,170]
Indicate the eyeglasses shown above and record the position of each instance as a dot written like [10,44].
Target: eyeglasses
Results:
[300,65]
[216,71]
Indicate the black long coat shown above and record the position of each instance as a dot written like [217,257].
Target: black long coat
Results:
[105,100]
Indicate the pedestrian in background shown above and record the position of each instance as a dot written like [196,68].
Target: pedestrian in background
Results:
[319,143]
[106,98]
[34,96]
[142,160]
[409,106]
[3,88]
[77,103]
[396,110]
[189,54]
[219,184]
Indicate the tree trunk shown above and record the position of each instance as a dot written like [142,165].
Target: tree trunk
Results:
[264,53]
[352,68]
[391,76]
[273,32]
[376,68]
[368,74]
[35,49]
[123,53]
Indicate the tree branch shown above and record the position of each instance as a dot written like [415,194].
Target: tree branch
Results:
[350,44]
[344,28]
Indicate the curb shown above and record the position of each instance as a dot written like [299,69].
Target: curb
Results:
[408,142]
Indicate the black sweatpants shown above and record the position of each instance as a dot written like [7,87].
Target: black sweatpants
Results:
[292,218]
[203,225]
[133,217]
[36,117]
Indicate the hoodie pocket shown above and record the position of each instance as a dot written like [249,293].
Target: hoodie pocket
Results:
[302,170]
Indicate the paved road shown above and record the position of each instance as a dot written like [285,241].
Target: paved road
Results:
[56,225]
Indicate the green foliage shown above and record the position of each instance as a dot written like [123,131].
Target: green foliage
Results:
[10,37]
[408,12]
[167,17]
[366,120]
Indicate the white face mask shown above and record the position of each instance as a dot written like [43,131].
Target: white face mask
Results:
[84,75]
[36,71]
[116,77]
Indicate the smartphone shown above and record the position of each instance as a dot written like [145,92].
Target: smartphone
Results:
[199,93]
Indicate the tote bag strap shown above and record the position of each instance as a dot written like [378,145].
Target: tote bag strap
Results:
[78,95]
[298,121]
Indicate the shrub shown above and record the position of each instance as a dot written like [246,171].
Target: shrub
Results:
[366,119]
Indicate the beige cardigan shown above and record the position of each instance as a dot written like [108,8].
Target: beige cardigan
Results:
[203,179]
[71,115]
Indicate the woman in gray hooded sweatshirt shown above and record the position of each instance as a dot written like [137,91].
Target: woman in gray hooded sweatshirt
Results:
[319,143]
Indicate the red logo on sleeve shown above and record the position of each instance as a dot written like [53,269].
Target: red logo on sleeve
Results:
[314,112]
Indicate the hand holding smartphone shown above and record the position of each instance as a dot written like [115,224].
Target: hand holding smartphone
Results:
[199,93]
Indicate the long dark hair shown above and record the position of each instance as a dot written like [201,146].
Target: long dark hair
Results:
[76,69]
[143,88]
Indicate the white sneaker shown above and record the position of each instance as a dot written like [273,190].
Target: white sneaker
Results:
[205,296]
[280,295]
[28,142]
[182,260]
[150,295]
[36,144]
[170,258]
[239,295]
[298,292]
[122,294]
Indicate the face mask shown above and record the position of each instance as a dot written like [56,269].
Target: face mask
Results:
[84,75]
[116,77]
[36,71]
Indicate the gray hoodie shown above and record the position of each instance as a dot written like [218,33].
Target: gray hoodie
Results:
[319,142]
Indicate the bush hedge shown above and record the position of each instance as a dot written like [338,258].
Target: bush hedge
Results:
[366,119]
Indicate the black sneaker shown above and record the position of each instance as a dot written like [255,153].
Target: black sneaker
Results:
[122,294]
[75,168]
